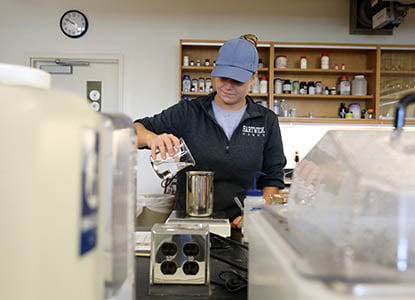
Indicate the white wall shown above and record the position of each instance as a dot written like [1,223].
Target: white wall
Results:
[147,34]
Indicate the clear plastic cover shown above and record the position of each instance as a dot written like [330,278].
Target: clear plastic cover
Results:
[351,210]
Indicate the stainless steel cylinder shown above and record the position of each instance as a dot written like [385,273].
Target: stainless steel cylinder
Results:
[199,193]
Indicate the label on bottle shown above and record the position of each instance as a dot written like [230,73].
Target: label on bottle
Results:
[278,86]
[286,88]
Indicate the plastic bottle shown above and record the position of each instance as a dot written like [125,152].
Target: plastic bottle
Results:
[359,86]
[293,112]
[208,85]
[201,84]
[185,61]
[186,85]
[303,62]
[254,201]
[278,86]
[195,85]
[260,63]
[281,61]
[284,108]
[276,107]
[325,61]
[319,87]
[255,86]
[355,109]
[263,85]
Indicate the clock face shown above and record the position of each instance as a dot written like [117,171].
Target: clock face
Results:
[74,24]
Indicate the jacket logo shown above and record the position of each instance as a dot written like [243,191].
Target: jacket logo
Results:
[253,131]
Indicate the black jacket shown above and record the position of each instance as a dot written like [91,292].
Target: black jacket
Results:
[254,146]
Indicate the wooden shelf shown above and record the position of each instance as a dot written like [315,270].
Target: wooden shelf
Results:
[257,95]
[210,68]
[389,121]
[203,69]
[320,71]
[337,97]
[195,94]
[205,93]
[397,73]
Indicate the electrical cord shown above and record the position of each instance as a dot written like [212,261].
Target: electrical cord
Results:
[166,182]
[232,281]
[229,262]
[219,237]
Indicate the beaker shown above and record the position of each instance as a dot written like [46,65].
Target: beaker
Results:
[168,168]
[199,193]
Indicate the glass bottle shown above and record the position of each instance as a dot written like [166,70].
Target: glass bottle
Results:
[311,87]
[342,110]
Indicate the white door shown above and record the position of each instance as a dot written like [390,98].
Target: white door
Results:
[95,79]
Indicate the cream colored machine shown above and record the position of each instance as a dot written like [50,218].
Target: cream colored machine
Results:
[64,190]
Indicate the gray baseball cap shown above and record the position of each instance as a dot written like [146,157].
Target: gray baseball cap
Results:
[237,59]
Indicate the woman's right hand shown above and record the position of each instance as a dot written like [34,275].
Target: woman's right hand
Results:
[237,222]
[165,143]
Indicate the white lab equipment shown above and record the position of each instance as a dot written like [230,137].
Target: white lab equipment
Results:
[350,234]
[60,188]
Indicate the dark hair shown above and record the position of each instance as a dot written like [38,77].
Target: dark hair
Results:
[252,38]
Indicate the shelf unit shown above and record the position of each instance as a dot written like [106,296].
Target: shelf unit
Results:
[359,59]
[397,78]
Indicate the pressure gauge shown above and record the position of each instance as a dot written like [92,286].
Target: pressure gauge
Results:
[74,24]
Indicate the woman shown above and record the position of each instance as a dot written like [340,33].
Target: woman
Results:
[226,131]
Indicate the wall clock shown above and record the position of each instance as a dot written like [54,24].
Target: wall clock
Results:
[74,24]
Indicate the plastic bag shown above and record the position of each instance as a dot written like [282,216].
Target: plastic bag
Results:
[161,203]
